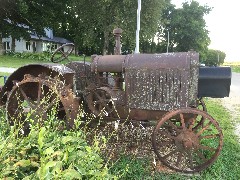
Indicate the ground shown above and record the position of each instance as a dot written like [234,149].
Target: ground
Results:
[233,105]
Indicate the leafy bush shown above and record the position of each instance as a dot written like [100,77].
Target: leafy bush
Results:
[48,153]
[214,57]
[45,56]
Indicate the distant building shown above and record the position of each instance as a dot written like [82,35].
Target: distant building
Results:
[35,43]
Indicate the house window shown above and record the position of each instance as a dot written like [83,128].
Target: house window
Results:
[28,45]
[34,45]
[6,45]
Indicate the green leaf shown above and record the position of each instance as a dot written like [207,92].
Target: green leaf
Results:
[22,163]
[49,151]
[71,174]
[41,137]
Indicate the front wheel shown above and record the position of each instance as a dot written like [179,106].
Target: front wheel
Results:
[182,144]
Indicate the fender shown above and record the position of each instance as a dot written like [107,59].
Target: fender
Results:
[49,69]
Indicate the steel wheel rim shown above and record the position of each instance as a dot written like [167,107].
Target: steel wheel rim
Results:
[180,151]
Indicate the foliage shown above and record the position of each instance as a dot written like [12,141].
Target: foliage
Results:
[235,69]
[20,18]
[214,58]
[90,25]
[45,56]
[48,153]
[186,27]
[2,74]
[130,167]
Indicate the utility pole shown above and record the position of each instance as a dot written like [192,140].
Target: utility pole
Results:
[138,26]
[167,40]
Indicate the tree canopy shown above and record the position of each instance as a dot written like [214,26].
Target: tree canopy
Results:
[186,27]
[214,57]
[89,25]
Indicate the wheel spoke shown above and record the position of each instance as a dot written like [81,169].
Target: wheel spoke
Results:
[204,128]
[192,123]
[201,156]
[200,123]
[173,125]
[98,96]
[209,136]
[206,148]
[182,121]
[26,98]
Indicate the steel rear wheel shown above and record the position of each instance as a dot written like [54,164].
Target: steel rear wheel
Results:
[185,146]
[34,98]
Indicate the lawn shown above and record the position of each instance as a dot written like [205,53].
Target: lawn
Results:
[234,65]
[2,79]
[226,166]
[15,62]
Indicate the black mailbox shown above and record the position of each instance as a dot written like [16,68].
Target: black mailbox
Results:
[214,82]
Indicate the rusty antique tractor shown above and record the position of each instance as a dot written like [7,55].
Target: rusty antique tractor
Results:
[167,88]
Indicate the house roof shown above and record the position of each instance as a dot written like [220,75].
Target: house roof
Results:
[54,39]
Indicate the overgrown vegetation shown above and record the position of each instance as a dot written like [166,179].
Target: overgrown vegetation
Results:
[224,168]
[50,153]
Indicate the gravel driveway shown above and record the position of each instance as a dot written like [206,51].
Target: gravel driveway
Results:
[232,103]
[7,70]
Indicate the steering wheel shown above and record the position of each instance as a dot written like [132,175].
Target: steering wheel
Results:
[64,55]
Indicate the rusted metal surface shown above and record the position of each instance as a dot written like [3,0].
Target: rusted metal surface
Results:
[162,81]
[36,96]
[180,143]
[65,51]
[108,63]
[52,70]
[83,76]
[117,34]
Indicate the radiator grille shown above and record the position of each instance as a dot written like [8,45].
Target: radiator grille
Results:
[159,89]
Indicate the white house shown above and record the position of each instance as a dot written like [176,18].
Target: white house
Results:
[35,44]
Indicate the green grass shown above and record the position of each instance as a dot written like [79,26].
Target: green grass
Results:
[235,69]
[226,166]
[2,79]
[234,65]
[15,62]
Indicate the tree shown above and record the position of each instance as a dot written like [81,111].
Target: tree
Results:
[214,57]
[92,24]
[20,17]
[186,27]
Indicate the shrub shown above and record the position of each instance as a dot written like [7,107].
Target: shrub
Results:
[45,56]
[214,57]
[48,153]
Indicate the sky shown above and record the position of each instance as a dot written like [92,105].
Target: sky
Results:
[224,26]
